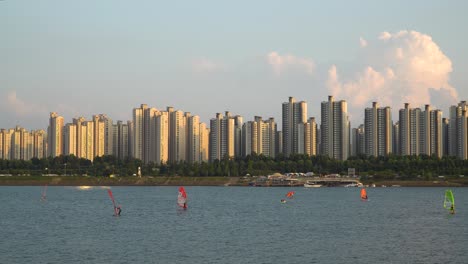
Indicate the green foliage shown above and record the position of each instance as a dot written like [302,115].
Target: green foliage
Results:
[384,167]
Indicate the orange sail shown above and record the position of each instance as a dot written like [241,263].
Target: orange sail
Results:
[290,194]
[363,194]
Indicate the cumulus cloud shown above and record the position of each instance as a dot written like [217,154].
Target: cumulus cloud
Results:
[12,103]
[406,66]
[283,63]
[362,42]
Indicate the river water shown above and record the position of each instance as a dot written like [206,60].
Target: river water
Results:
[232,225]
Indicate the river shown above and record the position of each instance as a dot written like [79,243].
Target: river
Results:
[232,225]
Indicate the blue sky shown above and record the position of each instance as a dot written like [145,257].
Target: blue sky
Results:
[80,58]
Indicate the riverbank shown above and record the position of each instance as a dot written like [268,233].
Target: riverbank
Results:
[188,181]
[120,181]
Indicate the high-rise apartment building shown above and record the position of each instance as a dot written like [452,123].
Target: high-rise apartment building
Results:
[177,136]
[458,131]
[378,130]
[358,141]
[293,114]
[223,139]
[20,144]
[99,136]
[404,131]
[259,137]
[70,139]
[80,147]
[279,142]
[131,149]
[121,140]
[161,142]
[193,138]
[445,137]
[310,137]
[238,123]
[108,134]
[370,130]
[410,130]
[420,132]
[249,138]
[16,146]
[149,134]
[39,143]
[396,138]
[307,137]
[227,136]
[5,138]
[55,135]
[204,143]
[335,129]
[87,139]
[436,133]
[138,132]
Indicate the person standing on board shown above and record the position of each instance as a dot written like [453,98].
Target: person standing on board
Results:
[452,210]
[117,210]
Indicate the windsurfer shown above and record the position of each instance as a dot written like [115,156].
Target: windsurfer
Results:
[185,206]
[117,210]
[283,200]
[452,210]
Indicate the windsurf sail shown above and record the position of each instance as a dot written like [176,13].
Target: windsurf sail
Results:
[113,201]
[363,194]
[449,201]
[44,193]
[290,194]
[182,198]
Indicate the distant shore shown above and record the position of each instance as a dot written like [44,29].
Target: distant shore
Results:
[191,181]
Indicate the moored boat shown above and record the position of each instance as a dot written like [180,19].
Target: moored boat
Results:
[311,184]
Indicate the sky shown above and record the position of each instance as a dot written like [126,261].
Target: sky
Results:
[80,58]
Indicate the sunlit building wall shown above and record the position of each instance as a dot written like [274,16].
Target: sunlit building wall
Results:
[55,134]
[70,139]
[204,142]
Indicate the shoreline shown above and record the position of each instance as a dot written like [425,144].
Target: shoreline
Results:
[191,181]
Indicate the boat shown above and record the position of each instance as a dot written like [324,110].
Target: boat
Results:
[312,184]
[449,201]
[363,194]
[354,185]
[182,198]
[117,209]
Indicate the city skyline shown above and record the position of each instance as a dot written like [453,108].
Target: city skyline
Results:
[211,57]
[251,117]
[155,136]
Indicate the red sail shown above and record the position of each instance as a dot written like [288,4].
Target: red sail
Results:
[111,196]
[182,197]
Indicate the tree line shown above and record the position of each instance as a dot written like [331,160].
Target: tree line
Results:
[384,167]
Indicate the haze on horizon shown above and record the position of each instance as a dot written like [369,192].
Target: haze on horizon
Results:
[80,58]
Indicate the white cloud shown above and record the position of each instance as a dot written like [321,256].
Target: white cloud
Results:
[407,66]
[21,108]
[385,35]
[282,63]
[362,42]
